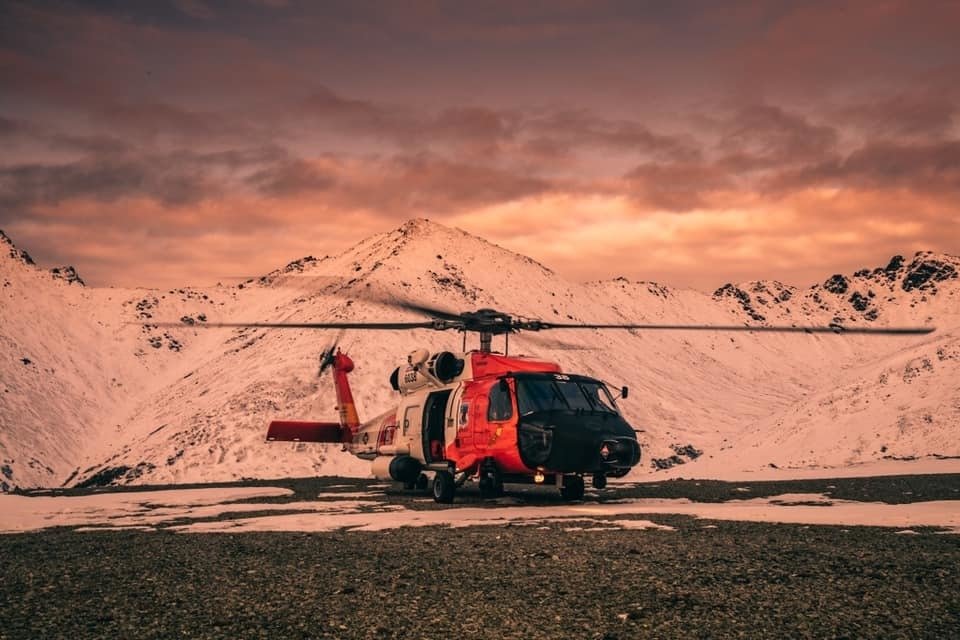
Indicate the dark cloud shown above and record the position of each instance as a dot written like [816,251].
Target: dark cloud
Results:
[475,127]
[485,131]
[12,129]
[152,120]
[808,50]
[581,128]
[172,179]
[928,170]
[96,144]
[766,136]
[105,180]
[195,9]
[438,185]
[290,178]
[422,184]
[677,186]
[922,114]
[327,108]
[24,132]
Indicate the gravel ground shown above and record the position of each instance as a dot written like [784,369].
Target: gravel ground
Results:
[705,579]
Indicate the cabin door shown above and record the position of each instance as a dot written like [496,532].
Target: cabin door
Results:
[434,417]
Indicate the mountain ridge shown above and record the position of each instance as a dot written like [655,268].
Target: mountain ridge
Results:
[186,404]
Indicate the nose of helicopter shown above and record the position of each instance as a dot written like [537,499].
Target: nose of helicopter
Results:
[568,442]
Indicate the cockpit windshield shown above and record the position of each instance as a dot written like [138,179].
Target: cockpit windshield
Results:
[562,392]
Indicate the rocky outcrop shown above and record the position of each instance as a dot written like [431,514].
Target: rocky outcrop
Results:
[68,274]
[742,297]
[17,254]
[924,272]
[837,284]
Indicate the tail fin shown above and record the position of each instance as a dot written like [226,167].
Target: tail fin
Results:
[343,431]
[349,420]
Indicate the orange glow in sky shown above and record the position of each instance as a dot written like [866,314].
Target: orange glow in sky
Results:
[693,143]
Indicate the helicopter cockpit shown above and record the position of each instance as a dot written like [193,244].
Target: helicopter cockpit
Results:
[554,391]
[571,422]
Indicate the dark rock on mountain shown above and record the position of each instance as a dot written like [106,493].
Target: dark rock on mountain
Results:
[922,273]
[17,254]
[104,477]
[68,274]
[741,296]
[836,284]
[896,262]
[687,450]
[859,301]
[681,455]
[115,475]
[296,266]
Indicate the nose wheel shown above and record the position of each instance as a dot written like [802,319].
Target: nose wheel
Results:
[572,488]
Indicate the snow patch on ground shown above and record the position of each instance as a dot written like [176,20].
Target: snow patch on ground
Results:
[921,466]
[30,513]
[138,510]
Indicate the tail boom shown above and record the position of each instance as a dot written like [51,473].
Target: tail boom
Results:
[304,431]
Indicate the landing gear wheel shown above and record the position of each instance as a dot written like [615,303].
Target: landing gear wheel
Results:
[572,488]
[490,488]
[491,482]
[423,483]
[443,487]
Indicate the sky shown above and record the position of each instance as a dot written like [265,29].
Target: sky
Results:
[185,142]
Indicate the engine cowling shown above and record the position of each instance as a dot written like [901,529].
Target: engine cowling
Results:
[444,366]
[399,468]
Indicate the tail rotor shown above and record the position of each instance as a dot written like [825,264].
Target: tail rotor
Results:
[328,353]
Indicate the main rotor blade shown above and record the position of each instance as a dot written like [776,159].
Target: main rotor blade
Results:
[406,305]
[299,325]
[540,326]
[554,344]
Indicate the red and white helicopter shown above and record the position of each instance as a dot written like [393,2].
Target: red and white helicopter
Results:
[485,416]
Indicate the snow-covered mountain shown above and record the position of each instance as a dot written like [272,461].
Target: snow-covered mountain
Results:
[88,394]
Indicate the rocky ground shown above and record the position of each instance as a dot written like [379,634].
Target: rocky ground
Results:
[703,579]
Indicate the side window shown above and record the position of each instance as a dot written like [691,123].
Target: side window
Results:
[500,408]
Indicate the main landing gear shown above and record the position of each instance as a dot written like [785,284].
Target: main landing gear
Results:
[491,480]
[599,481]
[572,488]
[443,487]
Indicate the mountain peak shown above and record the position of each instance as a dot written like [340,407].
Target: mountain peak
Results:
[416,226]
[17,254]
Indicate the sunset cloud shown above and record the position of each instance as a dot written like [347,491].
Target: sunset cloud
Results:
[689,142]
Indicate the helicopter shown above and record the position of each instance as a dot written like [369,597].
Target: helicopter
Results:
[484,416]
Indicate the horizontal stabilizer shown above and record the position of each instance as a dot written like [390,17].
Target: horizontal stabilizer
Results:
[297,431]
